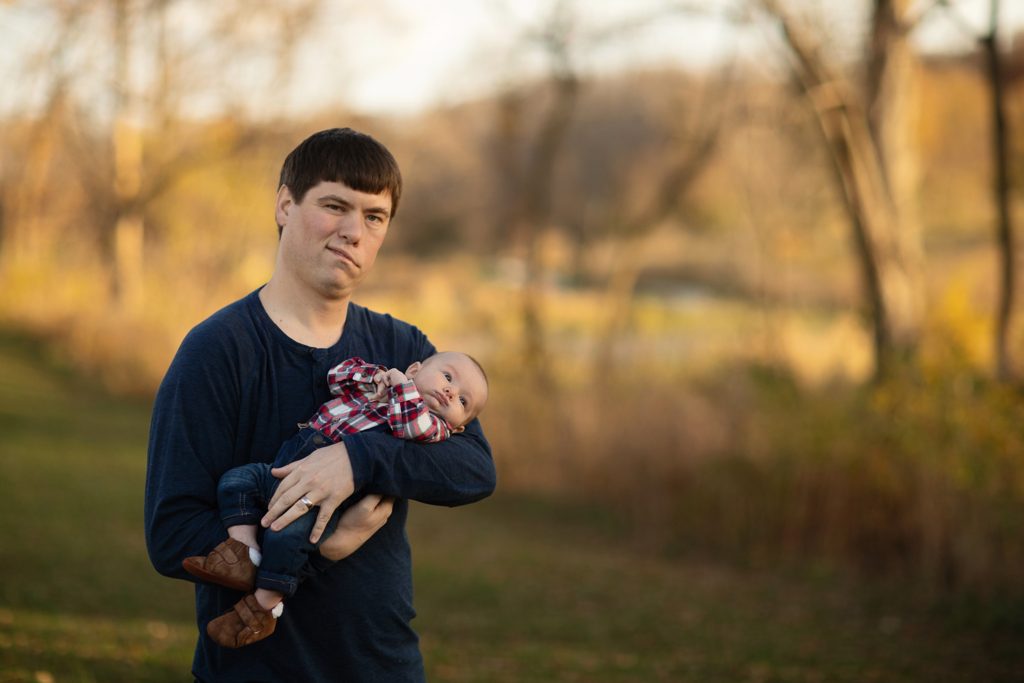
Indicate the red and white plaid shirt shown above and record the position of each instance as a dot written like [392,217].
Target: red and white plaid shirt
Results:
[403,409]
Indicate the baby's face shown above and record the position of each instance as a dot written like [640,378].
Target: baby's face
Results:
[452,386]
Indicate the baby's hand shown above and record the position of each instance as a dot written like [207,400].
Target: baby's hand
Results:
[383,380]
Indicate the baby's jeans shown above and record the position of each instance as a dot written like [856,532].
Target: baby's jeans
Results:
[243,495]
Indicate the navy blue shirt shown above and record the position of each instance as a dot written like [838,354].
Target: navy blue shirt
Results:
[236,389]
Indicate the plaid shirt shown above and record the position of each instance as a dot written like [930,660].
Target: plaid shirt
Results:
[403,409]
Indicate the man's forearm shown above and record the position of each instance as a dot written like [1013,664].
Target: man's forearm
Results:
[356,526]
[179,527]
[457,471]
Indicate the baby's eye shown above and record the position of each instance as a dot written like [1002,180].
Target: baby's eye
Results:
[462,400]
[448,376]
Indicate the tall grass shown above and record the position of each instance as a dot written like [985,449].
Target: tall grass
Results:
[921,478]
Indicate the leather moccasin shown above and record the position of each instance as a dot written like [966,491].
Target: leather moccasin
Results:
[245,623]
[227,565]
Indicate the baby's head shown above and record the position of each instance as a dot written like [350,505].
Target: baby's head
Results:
[453,385]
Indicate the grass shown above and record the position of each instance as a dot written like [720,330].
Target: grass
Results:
[512,589]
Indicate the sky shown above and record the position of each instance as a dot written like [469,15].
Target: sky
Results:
[453,49]
[401,56]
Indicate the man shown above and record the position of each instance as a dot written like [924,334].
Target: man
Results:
[238,386]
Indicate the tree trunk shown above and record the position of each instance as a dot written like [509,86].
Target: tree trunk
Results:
[126,139]
[1001,195]
[892,94]
[25,224]
[872,152]
[25,220]
[538,183]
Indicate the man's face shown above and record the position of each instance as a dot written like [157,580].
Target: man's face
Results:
[330,240]
[452,386]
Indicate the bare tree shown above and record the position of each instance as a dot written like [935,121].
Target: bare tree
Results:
[1001,195]
[868,137]
[529,181]
[538,180]
[690,153]
[119,112]
[127,226]
[36,149]
[525,158]
[1002,181]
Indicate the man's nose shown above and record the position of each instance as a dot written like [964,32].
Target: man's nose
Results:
[350,228]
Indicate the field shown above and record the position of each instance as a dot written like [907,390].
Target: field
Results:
[511,589]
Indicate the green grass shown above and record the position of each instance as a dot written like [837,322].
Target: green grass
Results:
[510,589]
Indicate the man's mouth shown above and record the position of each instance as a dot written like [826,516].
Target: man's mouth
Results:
[344,255]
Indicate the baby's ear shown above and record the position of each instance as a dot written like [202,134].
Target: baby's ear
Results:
[458,430]
[413,369]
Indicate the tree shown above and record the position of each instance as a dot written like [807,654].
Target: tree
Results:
[688,153]
[1001,195]
[34,146]
[529,181]
[873,159]
[1001,191]
[121,114]
[997,80]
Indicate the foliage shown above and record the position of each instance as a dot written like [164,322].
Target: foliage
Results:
[920,478]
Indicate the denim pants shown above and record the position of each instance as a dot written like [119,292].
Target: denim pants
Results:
[243,494]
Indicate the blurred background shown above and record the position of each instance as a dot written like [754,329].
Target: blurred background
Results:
[743,274]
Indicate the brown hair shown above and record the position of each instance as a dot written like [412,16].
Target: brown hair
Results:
[341,155]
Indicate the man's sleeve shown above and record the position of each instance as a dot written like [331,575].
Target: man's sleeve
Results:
[456,471]
[453,472]
[190,443]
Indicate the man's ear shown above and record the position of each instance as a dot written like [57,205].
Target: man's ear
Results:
[458,430]
[283,205]
[411,371]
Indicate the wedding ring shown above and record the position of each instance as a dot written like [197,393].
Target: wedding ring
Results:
[307,502]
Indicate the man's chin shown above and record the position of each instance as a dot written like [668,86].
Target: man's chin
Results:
[333,290]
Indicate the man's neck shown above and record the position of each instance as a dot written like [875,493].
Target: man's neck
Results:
[303,314]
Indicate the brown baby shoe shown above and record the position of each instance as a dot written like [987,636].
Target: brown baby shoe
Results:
[243,624]
[227,565]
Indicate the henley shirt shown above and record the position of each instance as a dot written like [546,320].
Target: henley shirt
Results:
[235,391]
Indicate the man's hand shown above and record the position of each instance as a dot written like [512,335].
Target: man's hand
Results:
[356,525]
[324,478]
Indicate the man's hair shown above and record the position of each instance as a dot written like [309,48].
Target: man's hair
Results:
[342,155]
